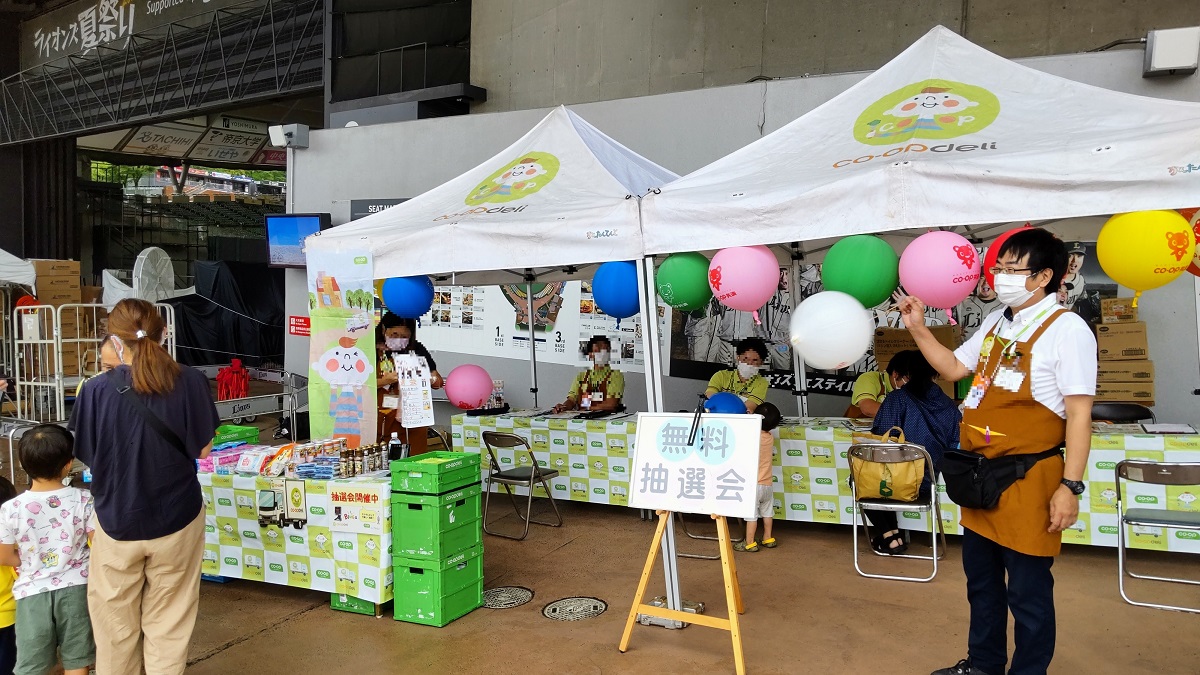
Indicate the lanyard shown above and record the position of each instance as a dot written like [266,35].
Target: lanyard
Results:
[745,387]
[1010,345]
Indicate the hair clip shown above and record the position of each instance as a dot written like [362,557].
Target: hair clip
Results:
[140,334]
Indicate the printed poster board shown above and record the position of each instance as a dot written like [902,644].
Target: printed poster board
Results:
[716,474]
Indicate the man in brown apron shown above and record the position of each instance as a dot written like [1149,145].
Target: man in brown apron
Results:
[1034,377]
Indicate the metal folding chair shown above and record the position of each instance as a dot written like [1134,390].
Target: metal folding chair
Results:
[895,453]
[443,437]
[1121,413]
[1153,473]
[524,476]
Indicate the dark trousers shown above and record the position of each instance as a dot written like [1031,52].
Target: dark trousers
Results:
[8,649]
[1028,593]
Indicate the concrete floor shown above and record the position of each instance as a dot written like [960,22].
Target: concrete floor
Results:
[807,611]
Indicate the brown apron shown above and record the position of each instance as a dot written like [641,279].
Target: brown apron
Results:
[1013,423]
[586,386]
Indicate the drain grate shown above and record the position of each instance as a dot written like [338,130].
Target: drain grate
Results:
[506,597]
[574,609]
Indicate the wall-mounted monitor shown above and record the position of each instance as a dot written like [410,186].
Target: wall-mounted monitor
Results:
[286,233]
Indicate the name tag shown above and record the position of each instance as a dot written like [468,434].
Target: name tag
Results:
[391,401]
[597,397]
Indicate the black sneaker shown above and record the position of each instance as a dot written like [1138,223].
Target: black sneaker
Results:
[961,668]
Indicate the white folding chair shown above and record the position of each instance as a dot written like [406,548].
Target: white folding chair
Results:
[1153,473]
[896,453]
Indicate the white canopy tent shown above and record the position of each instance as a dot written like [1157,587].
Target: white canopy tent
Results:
[561,197]
[947,134]
[14,270]
[552,205]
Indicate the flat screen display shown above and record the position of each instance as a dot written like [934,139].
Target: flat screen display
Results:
[286,233]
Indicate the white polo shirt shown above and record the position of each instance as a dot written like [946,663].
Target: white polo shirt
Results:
[1064,358]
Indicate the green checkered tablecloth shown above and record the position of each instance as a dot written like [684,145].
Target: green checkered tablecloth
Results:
[811,472]
[317,556]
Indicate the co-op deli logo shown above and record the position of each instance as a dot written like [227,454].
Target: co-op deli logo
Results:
[909,118]
[516,180]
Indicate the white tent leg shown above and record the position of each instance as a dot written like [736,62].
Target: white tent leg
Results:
[654,401]
[533,386]
[798,370]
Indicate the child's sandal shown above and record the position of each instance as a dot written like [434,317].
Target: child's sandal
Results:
[744,548]
[769,543]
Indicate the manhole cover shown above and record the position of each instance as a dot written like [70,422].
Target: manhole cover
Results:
[574,609]
[506,597]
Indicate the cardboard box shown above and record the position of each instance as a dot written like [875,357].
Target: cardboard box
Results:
[1125,371]
[46,284]
[59,298]
[891,341]
[55,268]
[1122,341]
[1117,310]
[91,295]
[1125,392]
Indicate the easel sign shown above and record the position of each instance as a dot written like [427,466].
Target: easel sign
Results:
[715,475]
[688,464]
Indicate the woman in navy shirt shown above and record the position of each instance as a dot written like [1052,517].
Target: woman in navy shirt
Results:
[928,417]
[144,582]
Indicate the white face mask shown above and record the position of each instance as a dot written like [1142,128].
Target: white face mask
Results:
[747,371]
[396,343]
[1010,289]
[600,358]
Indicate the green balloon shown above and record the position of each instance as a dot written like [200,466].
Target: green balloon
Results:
[682,281]
[863,266]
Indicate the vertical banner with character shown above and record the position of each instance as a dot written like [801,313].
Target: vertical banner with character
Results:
[341,394]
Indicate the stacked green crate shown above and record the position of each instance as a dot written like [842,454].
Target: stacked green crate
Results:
[437,537]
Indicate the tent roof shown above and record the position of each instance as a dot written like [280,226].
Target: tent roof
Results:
[558,199]
[14,270]
[946,134]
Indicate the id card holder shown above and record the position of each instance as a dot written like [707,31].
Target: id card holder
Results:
[597,396]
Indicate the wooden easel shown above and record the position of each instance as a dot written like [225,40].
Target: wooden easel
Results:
[733,593]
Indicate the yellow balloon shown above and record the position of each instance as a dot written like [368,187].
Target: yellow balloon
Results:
[1145,249]
[378,283]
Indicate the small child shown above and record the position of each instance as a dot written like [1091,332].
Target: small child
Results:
[765,496]
[43,533]
[8,605]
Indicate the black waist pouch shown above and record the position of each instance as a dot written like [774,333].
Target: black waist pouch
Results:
[976,482]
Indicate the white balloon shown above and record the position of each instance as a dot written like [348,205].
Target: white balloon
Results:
[831,330]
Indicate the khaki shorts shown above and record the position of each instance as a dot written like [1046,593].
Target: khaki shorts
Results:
[52,622]
[764,502]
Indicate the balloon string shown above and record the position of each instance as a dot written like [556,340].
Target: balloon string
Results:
[950,316]
[758,322]
[1136,295]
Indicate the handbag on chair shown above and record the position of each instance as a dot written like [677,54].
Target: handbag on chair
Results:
[898,481]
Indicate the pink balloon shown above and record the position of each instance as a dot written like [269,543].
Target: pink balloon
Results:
[940,268]
[468,387]
[744,277]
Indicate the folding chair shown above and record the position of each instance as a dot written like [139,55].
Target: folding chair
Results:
[1153,473]
[443,437]
[1121,413]
[895,453]
[526,476]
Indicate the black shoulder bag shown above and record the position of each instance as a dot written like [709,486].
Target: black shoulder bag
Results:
[153,420]
[976,482]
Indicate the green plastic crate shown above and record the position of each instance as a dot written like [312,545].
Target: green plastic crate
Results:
[435,513]
[433,473]
[228,433]
[430,544]
[434,593]
[349,603]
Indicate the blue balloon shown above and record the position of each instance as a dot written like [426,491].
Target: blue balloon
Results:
[408,297]
[725,402]
[615,289]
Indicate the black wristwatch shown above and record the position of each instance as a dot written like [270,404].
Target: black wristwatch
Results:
[1075,486]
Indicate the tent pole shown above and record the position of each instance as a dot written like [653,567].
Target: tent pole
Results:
[533,387]
[798,370]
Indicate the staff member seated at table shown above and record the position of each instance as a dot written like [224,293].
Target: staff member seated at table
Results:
[400,337]
[928,417]
[599,388]
[744,380]
[871,388]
